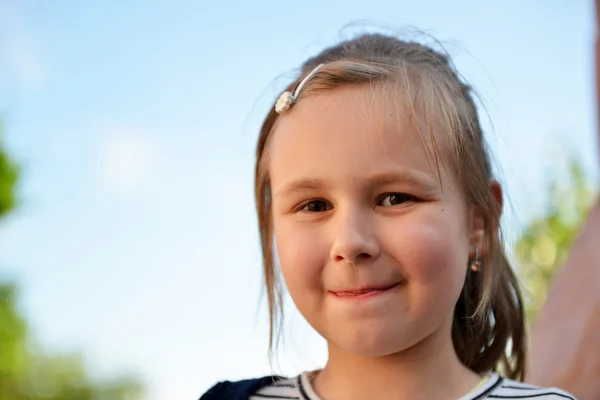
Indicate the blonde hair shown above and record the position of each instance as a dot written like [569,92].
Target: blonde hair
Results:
[488,330]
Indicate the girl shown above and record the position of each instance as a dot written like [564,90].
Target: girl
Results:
[374,188]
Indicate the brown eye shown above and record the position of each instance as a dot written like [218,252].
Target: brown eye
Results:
[396,199]
[316,206]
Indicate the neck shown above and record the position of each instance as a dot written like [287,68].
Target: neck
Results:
[408,374]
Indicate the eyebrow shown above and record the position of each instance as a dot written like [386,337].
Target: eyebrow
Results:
[298,186]
[406,176]
[418,179]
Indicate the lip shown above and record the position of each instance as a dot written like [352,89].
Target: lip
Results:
[363,293]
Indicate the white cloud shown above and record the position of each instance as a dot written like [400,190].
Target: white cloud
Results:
[20,54]
[125,161]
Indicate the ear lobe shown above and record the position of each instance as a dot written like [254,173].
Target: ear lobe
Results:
[477,233]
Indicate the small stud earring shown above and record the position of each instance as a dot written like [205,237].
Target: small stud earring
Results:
[476,263]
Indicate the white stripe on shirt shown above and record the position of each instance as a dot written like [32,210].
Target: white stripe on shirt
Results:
[495,388]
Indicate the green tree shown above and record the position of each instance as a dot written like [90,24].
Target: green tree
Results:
[30,373]
[13,351]
[8,181]
[545,242]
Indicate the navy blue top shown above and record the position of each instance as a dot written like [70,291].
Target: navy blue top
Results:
[239,390]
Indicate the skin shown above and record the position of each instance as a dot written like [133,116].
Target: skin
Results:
[356,204]
[571,315]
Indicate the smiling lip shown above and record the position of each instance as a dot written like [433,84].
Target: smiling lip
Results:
[363,293]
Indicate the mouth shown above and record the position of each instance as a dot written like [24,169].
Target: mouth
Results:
[362,293]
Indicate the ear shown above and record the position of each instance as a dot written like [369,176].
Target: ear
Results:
[497,194]
[480,224]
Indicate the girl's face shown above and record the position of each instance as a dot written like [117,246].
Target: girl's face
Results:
[373,250]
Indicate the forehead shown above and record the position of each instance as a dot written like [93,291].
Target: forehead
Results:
[351,130]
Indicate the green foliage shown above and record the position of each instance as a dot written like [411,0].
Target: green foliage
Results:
[34,374]
[38,375]
[13,354]
[8,180]
[545,243]
[54,377]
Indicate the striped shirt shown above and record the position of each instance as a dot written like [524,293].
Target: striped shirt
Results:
[495,387]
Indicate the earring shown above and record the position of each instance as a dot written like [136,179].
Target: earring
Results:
[476,263]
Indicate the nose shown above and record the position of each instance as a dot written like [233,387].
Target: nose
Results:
[355,240]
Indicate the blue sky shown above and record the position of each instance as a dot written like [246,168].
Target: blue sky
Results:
[134,122]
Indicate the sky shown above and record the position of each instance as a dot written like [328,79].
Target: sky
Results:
[135,240]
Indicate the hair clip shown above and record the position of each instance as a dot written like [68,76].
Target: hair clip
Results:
[287,98]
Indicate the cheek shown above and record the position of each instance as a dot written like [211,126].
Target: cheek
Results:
[432,248]
[301,255]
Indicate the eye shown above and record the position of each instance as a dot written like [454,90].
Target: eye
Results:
[315,206]
[395,199]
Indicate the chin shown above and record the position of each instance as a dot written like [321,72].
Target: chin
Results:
[373,343]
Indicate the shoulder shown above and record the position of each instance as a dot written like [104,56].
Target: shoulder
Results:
[239,390]
[509,389]
[279,390]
